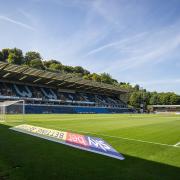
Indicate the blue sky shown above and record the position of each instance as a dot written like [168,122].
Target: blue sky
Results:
[136,41]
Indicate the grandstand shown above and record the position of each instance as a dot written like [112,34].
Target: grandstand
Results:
[165,109]
[50,92]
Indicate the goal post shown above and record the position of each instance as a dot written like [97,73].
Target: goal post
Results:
[12,110]
[2,112]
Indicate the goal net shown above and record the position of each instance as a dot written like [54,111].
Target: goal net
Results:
[12,110]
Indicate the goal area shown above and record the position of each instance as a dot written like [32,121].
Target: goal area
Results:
[12,111]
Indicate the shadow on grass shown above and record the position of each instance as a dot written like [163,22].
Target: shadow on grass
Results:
[26,157]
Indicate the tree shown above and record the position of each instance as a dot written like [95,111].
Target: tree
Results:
[5,53]
[106,78]
[145,96]
[1,56]
[135,99]
[173,99]
[126,86]
[68,69]
[136,87]
[78,69]
[31,55]
[15,56]
[36,63]
[55,67]
[154,98]
[81,70]
[96,77]
[48,63]
[86,77]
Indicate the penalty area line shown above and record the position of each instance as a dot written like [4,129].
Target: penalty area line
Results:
[129,139]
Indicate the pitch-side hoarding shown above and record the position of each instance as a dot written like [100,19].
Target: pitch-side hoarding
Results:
[87,143]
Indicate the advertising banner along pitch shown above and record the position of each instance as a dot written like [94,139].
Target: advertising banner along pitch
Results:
[87,143]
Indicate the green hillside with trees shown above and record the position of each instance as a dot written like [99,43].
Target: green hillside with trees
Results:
[136,96]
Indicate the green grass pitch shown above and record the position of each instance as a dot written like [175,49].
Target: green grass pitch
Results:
[147,142]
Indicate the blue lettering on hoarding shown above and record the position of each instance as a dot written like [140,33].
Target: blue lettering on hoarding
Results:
[98,143]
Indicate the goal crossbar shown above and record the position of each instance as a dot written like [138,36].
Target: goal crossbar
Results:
[8,103]
[11,107]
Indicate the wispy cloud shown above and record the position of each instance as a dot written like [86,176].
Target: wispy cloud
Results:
[115,44]
[26,14]
[101,7]
[26,26]
[132,41]
[155,47]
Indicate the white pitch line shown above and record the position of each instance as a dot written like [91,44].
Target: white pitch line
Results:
[129,139]
[177,144]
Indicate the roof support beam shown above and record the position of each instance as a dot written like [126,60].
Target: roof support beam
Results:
[49,82]
[60,84]
[22,78]
[37,80]
[6,75]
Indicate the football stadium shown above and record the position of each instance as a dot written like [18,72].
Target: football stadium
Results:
[149,143]
[48,92]
[89,90]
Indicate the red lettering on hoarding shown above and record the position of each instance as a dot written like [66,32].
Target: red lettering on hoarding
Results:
[76,139]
